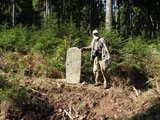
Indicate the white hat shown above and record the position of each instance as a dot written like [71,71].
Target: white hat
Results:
[95,31]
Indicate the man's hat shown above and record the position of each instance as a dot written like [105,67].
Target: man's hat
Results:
[95,31]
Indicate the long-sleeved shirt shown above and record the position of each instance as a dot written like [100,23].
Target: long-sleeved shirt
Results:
[101,46]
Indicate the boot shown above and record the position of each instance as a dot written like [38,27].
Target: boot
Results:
[105,85]
[97,84]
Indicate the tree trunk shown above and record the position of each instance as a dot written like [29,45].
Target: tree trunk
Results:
[79,23]
[116,14]
[44,13]
[71,5]
[61,12]
[149,24]
[119,19]
[154,24]
[13,14]
[99,10]
[34,18]
[109,15]
[48,5]
[47,8]
[128,20]
[90,16]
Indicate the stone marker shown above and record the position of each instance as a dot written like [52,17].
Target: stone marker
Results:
[73,65]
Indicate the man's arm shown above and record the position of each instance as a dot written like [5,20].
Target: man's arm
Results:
[88,47]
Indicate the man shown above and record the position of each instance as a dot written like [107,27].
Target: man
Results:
[100,57]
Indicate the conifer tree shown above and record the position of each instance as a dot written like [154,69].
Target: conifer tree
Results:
[109,15]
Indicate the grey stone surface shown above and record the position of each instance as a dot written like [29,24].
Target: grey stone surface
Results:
[73,65]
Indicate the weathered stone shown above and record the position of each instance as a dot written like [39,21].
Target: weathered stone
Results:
[73,65]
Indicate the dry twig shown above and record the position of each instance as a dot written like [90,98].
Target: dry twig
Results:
[38,92]
[135,90]
[68,115]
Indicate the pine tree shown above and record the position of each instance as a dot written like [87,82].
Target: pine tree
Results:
[109,15]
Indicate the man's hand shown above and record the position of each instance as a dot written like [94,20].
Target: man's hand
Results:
[82,49]
[109,58]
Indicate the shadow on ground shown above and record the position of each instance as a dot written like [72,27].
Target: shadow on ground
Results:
[34,106]
[153,113]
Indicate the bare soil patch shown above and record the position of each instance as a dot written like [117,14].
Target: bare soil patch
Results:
[49,99]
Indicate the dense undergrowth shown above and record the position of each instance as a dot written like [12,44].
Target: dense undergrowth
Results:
[41,52]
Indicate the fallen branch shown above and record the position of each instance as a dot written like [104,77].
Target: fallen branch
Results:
[135,91]
[4,109]
[38,92]
[150,80]
[157,85]
[68,115]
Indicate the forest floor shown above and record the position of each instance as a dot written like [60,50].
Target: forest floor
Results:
[49,99]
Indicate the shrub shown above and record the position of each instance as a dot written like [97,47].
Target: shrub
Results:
[10,88]
[16,38]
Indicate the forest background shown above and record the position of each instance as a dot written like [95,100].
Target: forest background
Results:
[35,35]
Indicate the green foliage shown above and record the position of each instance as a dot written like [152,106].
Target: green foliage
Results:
[69,36]
[114,40]
[49,40]
[10,76]
[35,4]
[115,44]
[153,67]
[10,87]
[72,36]
[16,38]
[135,58]
[87,68]
[157,42]
[136,51]
[82,106]
[56,62]
[52,42]
[45,38]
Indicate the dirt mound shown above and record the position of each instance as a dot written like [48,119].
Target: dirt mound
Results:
[54,100]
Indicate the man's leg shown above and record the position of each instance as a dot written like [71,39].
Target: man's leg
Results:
[103,70]
[96,70]
[96,76]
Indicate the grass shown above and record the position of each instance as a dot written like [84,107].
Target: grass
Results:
[82,106]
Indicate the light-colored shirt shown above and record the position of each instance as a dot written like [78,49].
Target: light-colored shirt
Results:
[98,46]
